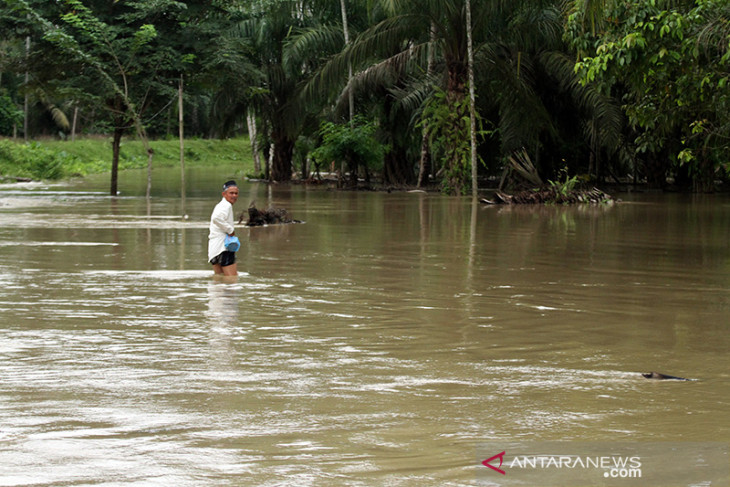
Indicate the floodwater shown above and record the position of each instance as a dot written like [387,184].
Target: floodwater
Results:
[380,342]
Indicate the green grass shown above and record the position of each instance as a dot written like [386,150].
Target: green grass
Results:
[56,159]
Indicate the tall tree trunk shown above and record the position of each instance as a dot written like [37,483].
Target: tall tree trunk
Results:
[26,104]
[73,125]
[455,94]
[269,155]
[150,152]
[656,170]
[704,179]
[472,103]
[346,32]
[397,168]
[305,167]
[252,135]
[281,163]
[142,134]
[116,143]
[424,165]
[352,167]
[181,132]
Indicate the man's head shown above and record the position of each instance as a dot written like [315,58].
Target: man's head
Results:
[230,191]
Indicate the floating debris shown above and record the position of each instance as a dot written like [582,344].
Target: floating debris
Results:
[269,216]
[551,196]
[659,376]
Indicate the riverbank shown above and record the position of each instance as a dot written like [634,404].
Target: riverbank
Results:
[53,159]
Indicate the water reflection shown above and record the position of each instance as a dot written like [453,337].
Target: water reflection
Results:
[223,319]
[223,298]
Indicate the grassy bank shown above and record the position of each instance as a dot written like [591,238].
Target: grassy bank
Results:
[57,159]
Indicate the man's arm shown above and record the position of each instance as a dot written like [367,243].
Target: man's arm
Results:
[221,220]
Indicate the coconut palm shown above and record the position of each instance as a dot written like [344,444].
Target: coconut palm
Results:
[263,78]
[518,54]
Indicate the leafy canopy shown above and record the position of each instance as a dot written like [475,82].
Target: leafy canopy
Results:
[354,143]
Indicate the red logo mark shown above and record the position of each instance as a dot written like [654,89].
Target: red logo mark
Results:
[498,455]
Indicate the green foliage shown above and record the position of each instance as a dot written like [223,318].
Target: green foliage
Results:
[448,122]
[565,187]
[10,115]
[302,149]
[354,143]
[120,63]
[671,63]
[143,36]
[54,159]
[32,161]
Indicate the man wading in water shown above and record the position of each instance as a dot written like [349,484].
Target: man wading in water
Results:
[221,225]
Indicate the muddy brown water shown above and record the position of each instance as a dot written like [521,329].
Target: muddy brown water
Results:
[378,343]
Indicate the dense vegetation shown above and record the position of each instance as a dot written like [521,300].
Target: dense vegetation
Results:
[57,158]
[607,90]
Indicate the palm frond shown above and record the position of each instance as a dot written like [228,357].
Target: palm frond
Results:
[714,35]
[312,42]
[521,163]
[59,117]
[605,110]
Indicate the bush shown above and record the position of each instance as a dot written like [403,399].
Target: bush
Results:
[354,143]
[32,161]
[10,115]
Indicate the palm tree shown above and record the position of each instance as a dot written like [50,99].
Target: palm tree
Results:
[387,56]
[528,76]
[472,102]
[517,46]
[275,100]
[270,75]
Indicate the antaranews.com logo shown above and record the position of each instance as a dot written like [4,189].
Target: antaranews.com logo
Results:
[597,464]
[612,466]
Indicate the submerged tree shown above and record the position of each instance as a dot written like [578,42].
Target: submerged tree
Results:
[353,143]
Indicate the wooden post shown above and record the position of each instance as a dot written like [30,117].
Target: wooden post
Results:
[181,130]
[73,125]
[26,104]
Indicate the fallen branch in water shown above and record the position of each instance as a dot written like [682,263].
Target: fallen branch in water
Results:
[551,195]
[269,216]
